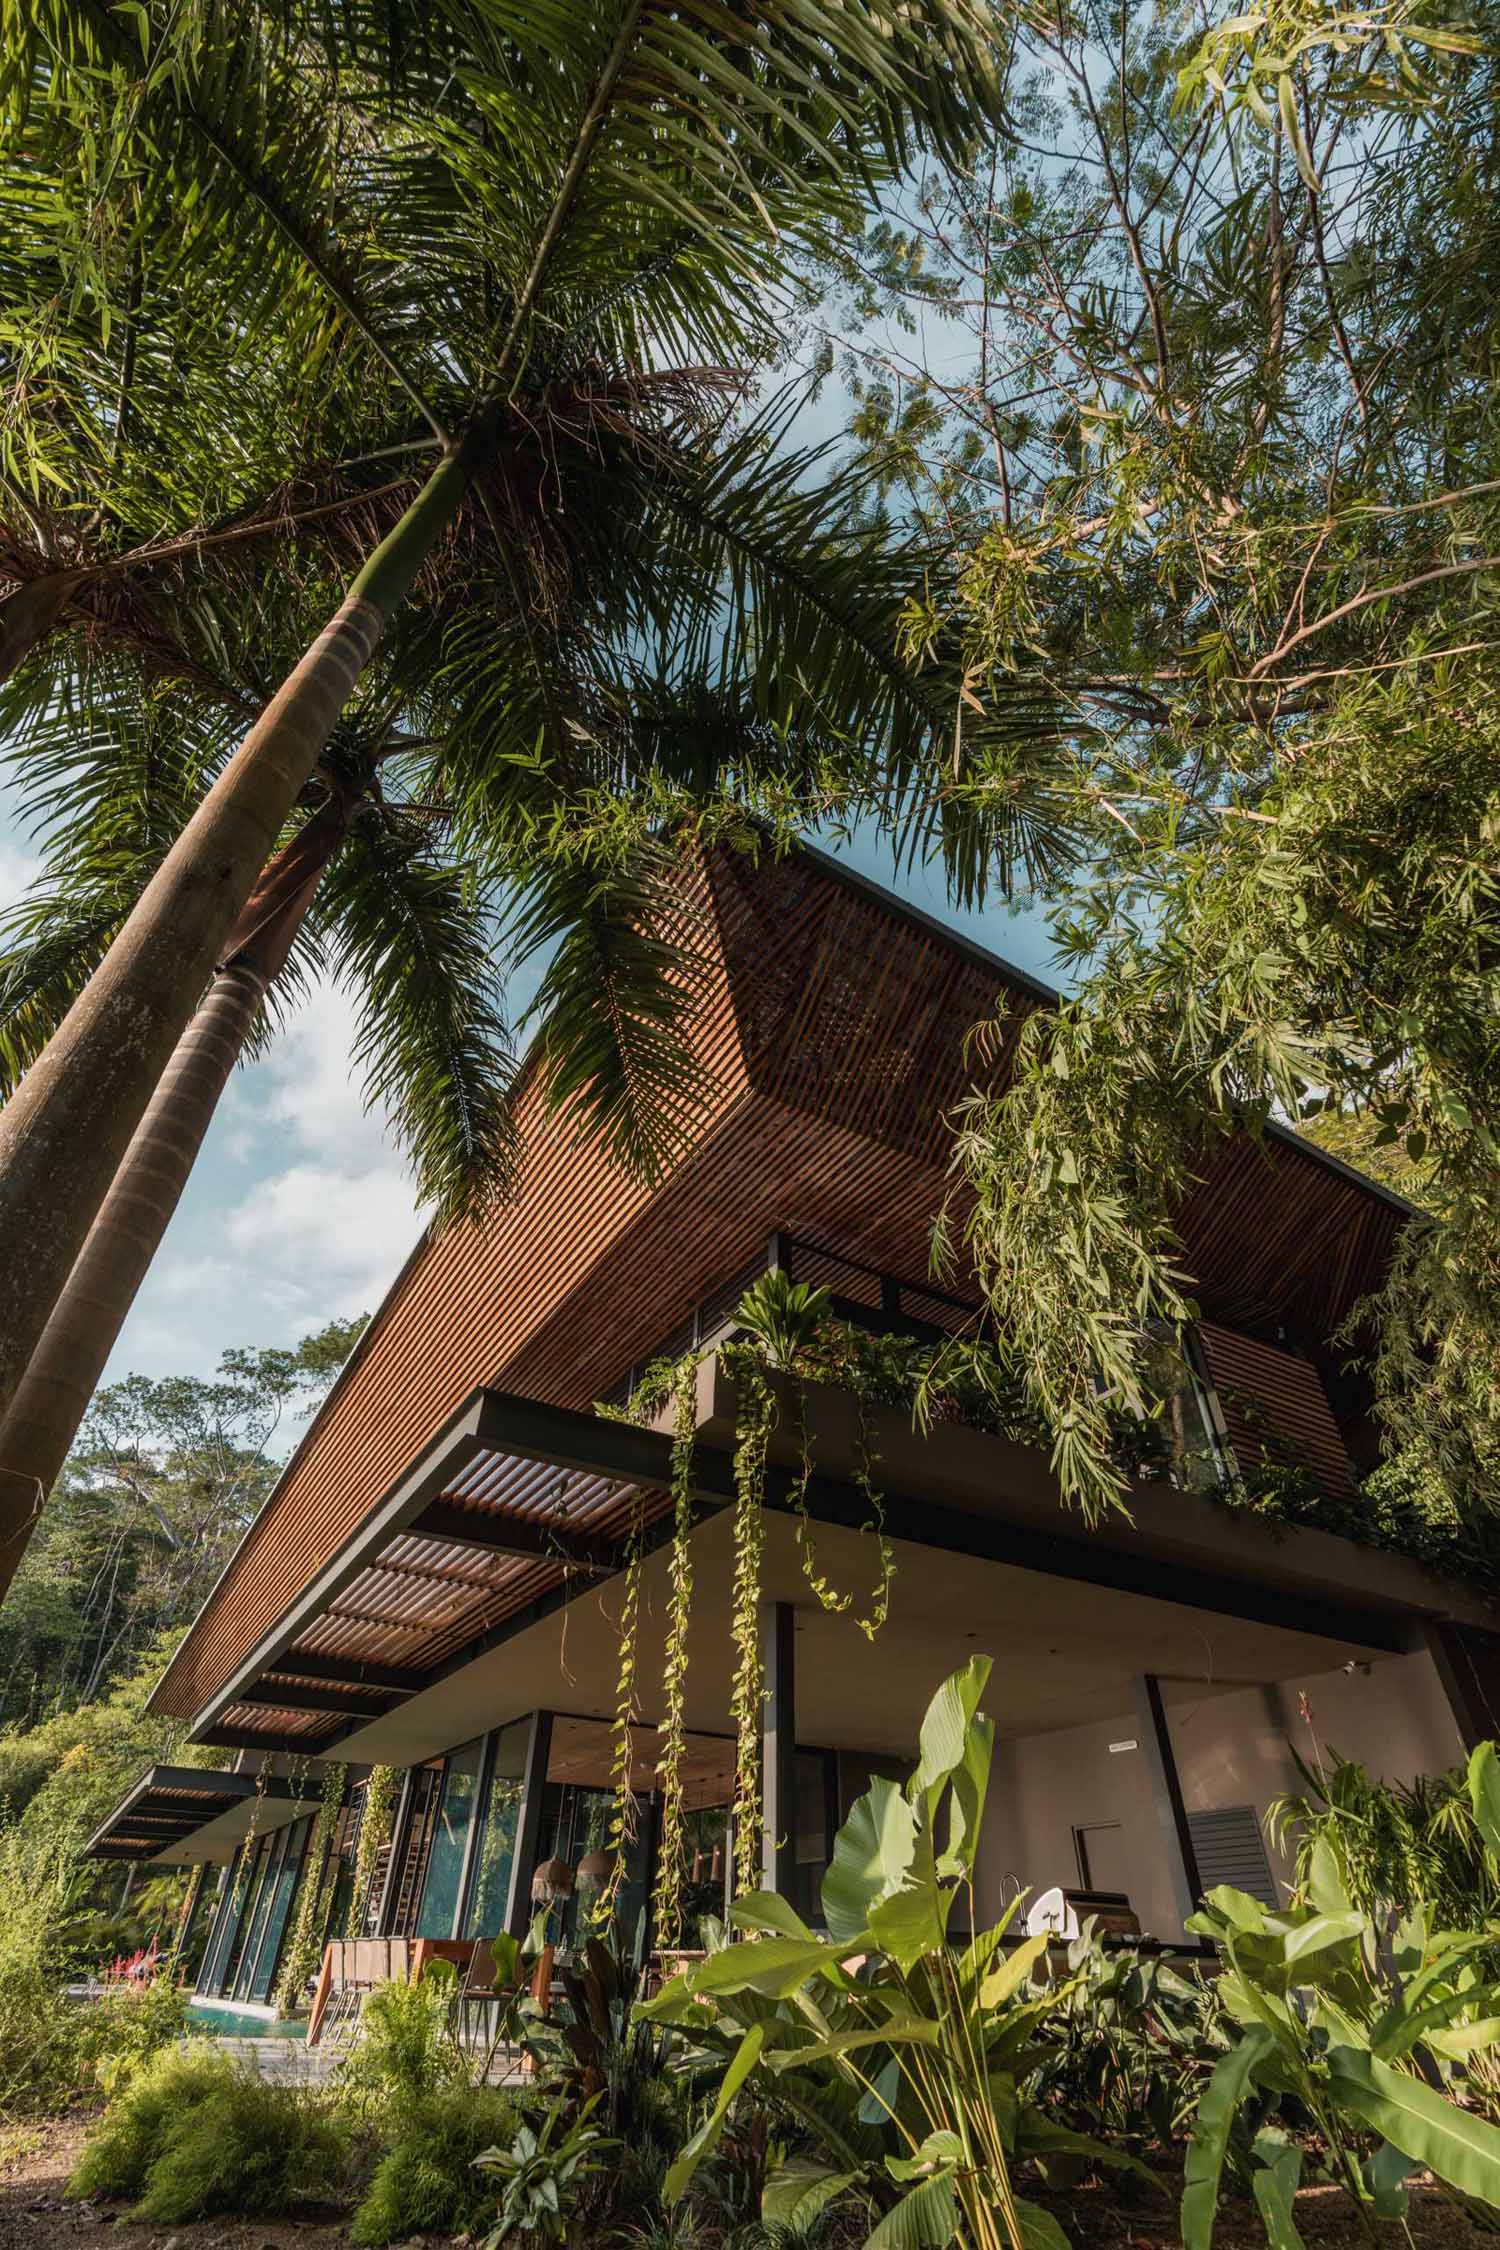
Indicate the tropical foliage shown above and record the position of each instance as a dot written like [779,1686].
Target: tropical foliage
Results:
[167,1475]
[1195,365]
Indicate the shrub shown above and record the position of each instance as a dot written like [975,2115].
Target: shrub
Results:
[407,2049]
[425,2182]
[127,2027]
[191,2134]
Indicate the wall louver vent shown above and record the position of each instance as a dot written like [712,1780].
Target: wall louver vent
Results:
[1230,1849]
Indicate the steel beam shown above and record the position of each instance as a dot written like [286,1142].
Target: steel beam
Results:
[778,1849]
[1166,1794]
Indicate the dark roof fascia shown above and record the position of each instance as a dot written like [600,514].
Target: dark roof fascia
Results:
[226,1783]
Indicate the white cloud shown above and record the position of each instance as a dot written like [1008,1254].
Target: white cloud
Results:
[318,1235]
[19,869]
[300,1209]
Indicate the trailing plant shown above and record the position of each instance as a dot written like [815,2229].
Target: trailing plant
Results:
[305,1946]
[622,1818]
[793,1325]
[375,1819]
[935,2036]
[1363,2038]
[756,1415]
[671,1844]
[247,1848]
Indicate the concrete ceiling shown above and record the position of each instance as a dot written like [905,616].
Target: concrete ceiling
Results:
[1063,1652]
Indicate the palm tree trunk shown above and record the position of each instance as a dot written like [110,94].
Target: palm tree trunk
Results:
[52,1397]
[64,1133]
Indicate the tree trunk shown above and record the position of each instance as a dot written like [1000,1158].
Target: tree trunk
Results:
[65,1131]
[53,1395]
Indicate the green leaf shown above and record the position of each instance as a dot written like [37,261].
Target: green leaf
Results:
[1422,2123]
[940,2148]
[799,2191]
[1325,1880]
[1233,2077]
[871,1855]
[1012,1972]
[774,1967]
[1274,2186]
[1320,1934]
[1388,2173]
[926,2219]
[1038,2136]
[706,2139]
[1484,1794]
[1039,2230]
[767,1910]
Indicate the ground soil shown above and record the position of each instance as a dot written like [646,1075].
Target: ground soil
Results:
[1102,2218]
[36,2215]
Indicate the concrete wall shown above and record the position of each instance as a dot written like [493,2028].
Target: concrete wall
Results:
[1231,1750]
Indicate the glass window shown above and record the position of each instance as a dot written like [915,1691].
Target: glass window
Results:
[279,1890]
[227,1918]
[257,1899]
[814,1783]
[438,1917]
[495,1841]
[1181,1432]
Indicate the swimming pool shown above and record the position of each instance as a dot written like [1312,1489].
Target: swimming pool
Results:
[241,2023]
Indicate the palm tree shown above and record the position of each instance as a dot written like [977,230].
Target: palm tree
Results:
[503,226]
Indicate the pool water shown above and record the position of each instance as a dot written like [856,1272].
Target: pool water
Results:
[238,2023]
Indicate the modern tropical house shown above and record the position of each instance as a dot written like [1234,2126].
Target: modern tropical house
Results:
[436,1583]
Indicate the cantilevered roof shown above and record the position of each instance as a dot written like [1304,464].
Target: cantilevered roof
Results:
[171,1806]
[831,1026]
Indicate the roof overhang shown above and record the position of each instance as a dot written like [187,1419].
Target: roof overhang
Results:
[518,1508]
[175,1816]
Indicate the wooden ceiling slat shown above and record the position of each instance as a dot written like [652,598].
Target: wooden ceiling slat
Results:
[832,1026]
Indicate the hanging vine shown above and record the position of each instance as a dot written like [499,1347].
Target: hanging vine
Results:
[838,1601]
[755,1418]
[305,1949]
[672,1845]
[622,1826]
[247,1848]
[789,1330]
[374,1833]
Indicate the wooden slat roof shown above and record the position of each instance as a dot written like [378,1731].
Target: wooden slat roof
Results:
[831,1024]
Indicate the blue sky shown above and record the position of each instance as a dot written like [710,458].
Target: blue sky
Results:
[300,1209]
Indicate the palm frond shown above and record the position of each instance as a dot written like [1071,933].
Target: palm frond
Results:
[406,932]
[614,1005]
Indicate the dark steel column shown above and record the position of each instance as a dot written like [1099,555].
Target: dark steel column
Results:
[1166,1791]
[779,1747]
[528,1825]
